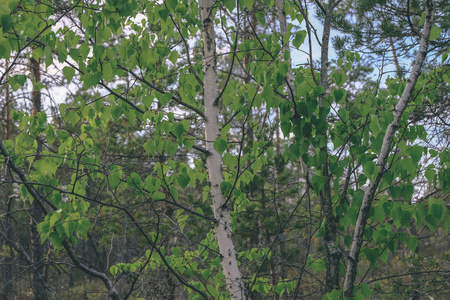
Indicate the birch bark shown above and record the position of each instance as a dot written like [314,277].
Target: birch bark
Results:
[385,149]
[223,231]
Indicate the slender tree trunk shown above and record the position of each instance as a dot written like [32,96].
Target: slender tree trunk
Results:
[7,113]
[417,277]
[7,268]
[333,253]
[286,52]
[223,231]
[281,15]
[397,65]
[38,250]
[350,275]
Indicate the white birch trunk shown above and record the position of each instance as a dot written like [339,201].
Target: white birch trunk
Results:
[223,231]
[385,149]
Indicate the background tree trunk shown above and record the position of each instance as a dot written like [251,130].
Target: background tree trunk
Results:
[40,287]
[333,253]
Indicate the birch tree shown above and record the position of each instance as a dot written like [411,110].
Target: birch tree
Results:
[214,163]
[383,157]
[147,186]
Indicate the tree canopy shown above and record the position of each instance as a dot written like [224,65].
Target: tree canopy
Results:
[171,150]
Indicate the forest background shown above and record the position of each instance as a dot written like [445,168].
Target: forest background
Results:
[188,157]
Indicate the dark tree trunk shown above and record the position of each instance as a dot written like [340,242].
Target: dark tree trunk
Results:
[40,287]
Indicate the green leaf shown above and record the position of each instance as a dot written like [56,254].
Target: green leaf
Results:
[83,227]
[205,192]
[369,168]
[56,240]
[183,180]
[220,145]
[108,73]
[365,290]
[17,81]
[173,56]
[114,270]
[444,57]
[283,68]
[412,243]
[5,49]
[72,116]
[24,193]
[54,217]
[48,56]
[415,152]
[408,191]
[280,288]
[318,90]
[164,13]
[230,5]
[374,125]
[92,79]
[435,32]
[46,166]
[116,112]
[437,211]
[447,222]
[148,100]
[176,251]
[210,288]
[158,195]
[114,179]
[98,51]
[172,4]
[174,192]
[372,255]
[340,78]
[299,38]
[431,222]
[248,3]
[6,23]
[409,165]
[338,95]
[178,130]
[44,230]
[422,19]
[149,147]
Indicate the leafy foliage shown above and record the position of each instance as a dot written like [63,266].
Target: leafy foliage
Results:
[118,165]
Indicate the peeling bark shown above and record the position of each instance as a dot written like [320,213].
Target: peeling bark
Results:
[223,231]
[350,275]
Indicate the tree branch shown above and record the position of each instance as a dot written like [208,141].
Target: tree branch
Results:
[358,235]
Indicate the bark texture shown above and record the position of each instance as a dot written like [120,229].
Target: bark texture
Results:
[223,231]
[333,253]
[385,150]
[7,269]
[281,15]
[40,287]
